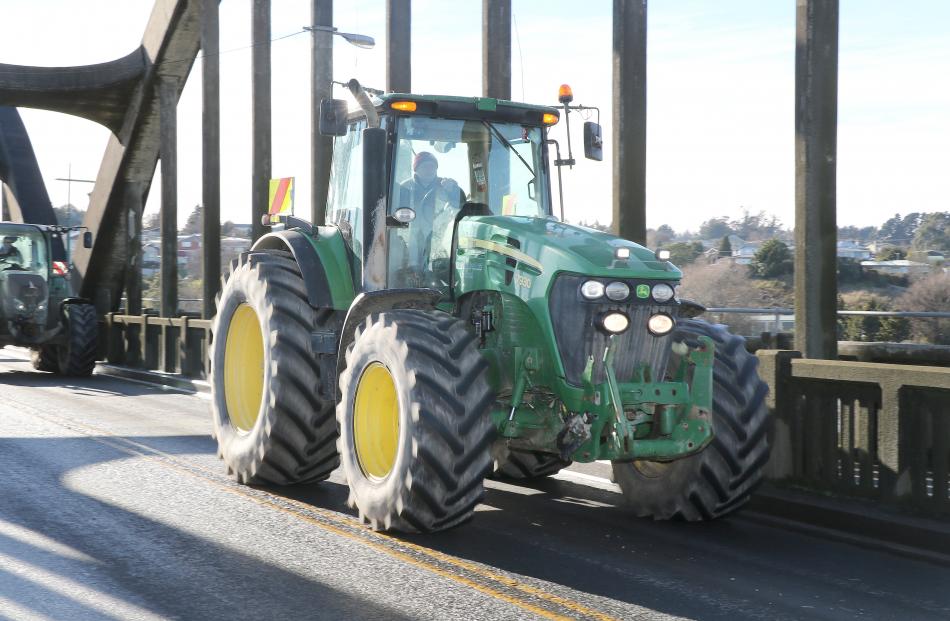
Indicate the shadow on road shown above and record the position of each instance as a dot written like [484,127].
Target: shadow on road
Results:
[97,384]
[136,560]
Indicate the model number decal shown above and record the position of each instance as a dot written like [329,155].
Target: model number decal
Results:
[523,281]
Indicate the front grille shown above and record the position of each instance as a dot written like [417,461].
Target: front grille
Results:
[578,338]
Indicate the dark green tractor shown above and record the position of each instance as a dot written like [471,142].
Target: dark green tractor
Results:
[445,326]
[38,308]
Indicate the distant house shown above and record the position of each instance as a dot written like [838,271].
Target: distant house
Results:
[151,259]
[850,249]
[743,255]
[931,257]
[898,267]
[241,230]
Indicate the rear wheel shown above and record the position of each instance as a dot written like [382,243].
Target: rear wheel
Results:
[273,417]
[415,431]
[529,465]
[78,356]
[720,478]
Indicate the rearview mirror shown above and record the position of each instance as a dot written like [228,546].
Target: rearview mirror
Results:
[87,239]
[333,114]
[593,141]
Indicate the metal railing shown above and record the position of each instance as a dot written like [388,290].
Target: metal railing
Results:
[168,344]
[867,429]
[779,314]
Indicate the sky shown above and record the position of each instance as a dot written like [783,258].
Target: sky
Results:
[720,96]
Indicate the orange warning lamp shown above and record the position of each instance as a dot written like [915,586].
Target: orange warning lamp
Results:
[564,94]
[404,106]
[549,119]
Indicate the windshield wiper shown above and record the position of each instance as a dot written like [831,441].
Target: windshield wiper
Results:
[507,144]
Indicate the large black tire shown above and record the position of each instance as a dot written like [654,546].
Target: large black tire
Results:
[441,445]
[43,358]
[78,356]
[720,478]
[291,437]
[529,465]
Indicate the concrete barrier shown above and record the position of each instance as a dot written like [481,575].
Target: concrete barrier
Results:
[866,429]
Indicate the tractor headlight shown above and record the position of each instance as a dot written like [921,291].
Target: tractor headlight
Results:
[20,306]
[660,324]
[592,290]
[617,291]
[662,292]
[615,323]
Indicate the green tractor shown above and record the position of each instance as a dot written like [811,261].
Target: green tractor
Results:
[445,326]
[38,308]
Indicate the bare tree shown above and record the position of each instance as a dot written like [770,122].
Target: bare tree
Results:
[929,294]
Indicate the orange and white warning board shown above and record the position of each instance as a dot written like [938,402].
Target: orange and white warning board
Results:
[281,198]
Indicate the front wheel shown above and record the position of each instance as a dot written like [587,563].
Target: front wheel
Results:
[720,478]
[415,430]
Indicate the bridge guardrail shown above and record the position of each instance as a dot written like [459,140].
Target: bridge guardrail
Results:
[167,344]
[865,429]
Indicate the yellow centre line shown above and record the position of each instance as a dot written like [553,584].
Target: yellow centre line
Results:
[383,545]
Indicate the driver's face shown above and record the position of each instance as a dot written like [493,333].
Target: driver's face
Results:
[426,171]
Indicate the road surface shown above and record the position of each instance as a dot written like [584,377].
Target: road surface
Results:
[113,505]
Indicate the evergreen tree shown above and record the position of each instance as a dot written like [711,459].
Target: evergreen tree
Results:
[725,247]
[772,259]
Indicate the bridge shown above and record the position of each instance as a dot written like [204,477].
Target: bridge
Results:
[117,505]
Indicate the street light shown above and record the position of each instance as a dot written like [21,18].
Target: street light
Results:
[321,87]
[363,41]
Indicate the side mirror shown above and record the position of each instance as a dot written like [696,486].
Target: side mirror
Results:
[87,239]
[333,114]
[593,141]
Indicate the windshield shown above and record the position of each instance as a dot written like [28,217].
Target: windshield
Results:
[23,249]
[440,165]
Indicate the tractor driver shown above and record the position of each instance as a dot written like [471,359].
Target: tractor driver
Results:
[8,252]
[435,201]
[425,186]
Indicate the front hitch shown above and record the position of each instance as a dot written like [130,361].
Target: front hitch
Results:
[651,420]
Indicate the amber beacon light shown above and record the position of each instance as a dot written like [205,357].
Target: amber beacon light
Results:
[403,106]
[564,94]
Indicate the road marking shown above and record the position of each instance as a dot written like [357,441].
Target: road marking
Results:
[345,526]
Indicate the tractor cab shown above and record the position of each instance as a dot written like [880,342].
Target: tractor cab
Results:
[24,279]
[440,159]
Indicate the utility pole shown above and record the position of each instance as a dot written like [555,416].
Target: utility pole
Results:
[496,49]
[321,87]
[630,119]
[210,158]
[399,46]
[816,125]
[261,114]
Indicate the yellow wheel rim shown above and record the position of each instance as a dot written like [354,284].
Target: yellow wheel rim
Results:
[376,421]
[244,368]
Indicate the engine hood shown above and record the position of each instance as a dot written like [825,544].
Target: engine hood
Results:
[556,247]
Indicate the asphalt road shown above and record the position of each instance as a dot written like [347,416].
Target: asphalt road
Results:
[113,505]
